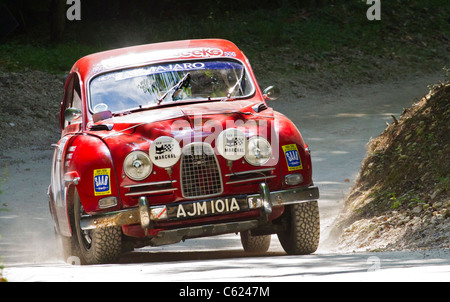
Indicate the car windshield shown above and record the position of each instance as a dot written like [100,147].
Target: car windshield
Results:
[149,86]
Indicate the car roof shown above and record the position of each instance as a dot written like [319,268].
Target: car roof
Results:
[100,62]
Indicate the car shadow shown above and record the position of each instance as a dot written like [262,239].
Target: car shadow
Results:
[149,257]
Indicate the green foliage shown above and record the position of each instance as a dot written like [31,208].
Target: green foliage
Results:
[443,183]
[332,38]
[396,203]
[18,54]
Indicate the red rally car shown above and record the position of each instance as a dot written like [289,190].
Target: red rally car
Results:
[170,141]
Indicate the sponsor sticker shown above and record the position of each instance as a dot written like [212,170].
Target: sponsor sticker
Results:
[292,157]
[200,52]
[229,54]
[132,59]
[175,67]
[102,182]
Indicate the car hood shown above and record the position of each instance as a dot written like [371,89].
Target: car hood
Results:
[200,119]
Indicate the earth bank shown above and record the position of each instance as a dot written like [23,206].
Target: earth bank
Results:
[401,198]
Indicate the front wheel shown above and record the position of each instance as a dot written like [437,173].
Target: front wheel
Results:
[301,231]
[97,246]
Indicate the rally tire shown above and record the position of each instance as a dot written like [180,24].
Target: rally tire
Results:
[97,246]
[255,244]
[301,232]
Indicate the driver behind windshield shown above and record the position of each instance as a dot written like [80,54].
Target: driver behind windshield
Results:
[125,90]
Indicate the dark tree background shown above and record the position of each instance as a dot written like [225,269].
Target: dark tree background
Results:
[50,15]
[314,37]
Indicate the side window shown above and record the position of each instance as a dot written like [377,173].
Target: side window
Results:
[76,100]
[73,99]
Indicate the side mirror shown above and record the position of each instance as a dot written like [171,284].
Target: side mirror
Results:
[271,93]
[71,114]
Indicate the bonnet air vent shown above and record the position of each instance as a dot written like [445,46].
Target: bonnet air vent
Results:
[259,107]
[101,127]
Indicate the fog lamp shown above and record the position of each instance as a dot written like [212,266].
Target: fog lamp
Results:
[107,202]
[293,179]
[231,144]
[165,151]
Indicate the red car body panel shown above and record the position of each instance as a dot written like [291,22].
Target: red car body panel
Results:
[88,149]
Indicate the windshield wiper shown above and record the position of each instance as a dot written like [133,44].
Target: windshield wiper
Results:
[183,81]
[232,89]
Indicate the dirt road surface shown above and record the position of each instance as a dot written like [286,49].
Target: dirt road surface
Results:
[335,125]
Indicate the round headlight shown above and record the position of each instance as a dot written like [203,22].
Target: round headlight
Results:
[137,165]
[258,151]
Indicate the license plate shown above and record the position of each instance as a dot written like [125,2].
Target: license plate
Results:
[210,207]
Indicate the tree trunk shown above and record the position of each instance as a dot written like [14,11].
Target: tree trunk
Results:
[57,19]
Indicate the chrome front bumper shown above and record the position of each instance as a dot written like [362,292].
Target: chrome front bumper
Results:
[145,214]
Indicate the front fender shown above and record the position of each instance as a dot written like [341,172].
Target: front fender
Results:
[294,154]
[82,163]
[90,168]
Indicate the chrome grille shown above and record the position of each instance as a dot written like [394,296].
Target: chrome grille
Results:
[200,171]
